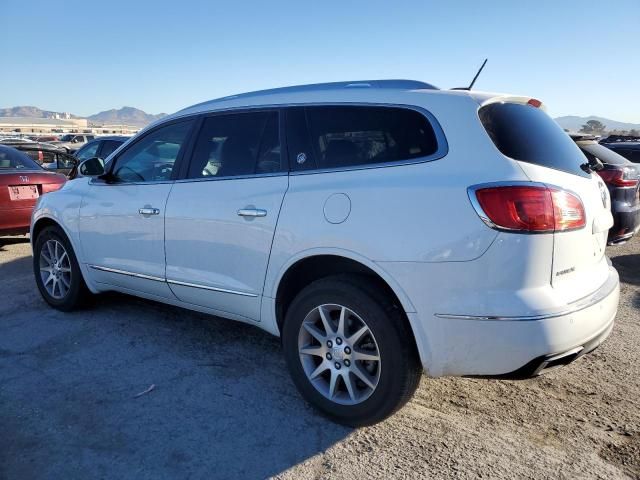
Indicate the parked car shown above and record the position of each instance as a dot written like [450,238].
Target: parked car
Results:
[379,227]
[629,150]
[49,157]
[622,178]
[46,138]
[101,147]
[22,182]
[73,141]
[14,141]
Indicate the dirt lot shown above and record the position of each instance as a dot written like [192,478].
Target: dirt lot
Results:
[223,405]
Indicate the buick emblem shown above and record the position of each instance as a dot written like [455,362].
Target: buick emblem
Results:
[301,158]
[603,194]
[24,178]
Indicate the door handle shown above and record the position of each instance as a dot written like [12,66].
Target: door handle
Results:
[252,212]
[149,211]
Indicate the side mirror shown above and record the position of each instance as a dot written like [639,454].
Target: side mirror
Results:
[92,167]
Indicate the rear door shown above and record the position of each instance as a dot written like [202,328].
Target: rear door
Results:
[221,218]
[547,155]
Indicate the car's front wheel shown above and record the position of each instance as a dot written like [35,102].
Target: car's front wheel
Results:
[349,350]
[57,272]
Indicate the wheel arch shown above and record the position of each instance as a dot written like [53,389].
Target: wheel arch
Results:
[45,221]
[313,265]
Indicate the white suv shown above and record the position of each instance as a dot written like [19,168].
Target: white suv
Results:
[380,228]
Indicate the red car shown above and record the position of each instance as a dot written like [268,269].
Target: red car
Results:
[22,181]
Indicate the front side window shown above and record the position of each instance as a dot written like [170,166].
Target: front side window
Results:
[152,157]
[352,136]
[235,144]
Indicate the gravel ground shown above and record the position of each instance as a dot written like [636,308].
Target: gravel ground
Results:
[222,405]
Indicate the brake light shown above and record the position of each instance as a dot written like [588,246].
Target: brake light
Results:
[537,209]
[618,178]
[51,187]
[40,156]
[534,102]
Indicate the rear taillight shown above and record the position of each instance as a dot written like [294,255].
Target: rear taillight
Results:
[40,156]
[536,209]
[620,177]
[51,187]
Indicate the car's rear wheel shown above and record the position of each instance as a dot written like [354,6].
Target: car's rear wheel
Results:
[57,272]
[350,350]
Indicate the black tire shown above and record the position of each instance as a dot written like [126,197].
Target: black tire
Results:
[78,294]
[400,370]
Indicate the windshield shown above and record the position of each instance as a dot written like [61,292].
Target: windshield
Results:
[11,159]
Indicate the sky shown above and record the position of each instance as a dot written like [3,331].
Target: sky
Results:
[579,57]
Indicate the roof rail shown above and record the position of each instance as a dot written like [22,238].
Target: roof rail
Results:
[384,84]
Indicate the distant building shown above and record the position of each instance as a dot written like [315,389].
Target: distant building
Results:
[60,125]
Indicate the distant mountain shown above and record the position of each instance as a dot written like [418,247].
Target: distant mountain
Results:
[574,123]
[126,116]
[122,116]
[31,112]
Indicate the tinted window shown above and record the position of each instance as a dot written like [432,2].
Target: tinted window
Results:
[87,151]
[152,157]
[593,149]
[108,147]
[528,134]
[345,136]
[237,144]
[10,158]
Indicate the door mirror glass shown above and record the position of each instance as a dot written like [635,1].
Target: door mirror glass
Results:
[92,167]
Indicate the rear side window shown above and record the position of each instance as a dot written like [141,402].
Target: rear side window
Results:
[235,144]
[326,137]
[528,134]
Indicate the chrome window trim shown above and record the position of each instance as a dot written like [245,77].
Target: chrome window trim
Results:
[471,193]
[214,289]
[581,304]
[441,151]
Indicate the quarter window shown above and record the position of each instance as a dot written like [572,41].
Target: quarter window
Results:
[352,136]
[152,157]
[237,144]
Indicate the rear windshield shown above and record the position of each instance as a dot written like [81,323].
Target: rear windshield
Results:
[11,159]
[528,134]
[605,155]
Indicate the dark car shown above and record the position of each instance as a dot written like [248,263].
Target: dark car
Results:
[50,157]
[629,150]
[101,147]
[22,181]
[622,178]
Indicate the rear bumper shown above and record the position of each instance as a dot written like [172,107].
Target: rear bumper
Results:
[15,221]
[626,222]
[519,346]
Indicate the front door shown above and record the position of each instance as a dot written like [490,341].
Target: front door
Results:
[220,221]
[122,219]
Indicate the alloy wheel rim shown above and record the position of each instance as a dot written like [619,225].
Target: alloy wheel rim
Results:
[339,354]
[55,269]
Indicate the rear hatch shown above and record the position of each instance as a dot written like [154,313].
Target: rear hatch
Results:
[522,131]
